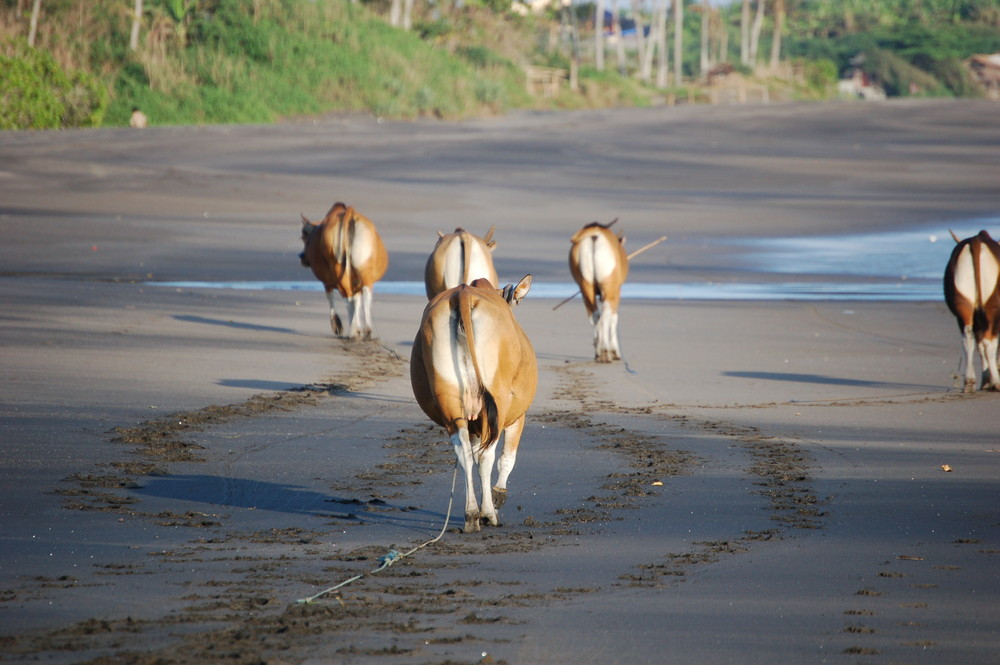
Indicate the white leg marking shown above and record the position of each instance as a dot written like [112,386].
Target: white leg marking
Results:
[354,307]
[606,351]
[335,324]
[615,350]
[463,451]
[509,455]
[969,342]
[486,458]
[988,353]
[366,307]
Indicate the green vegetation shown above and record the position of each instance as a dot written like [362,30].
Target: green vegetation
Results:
[258,61]
[36,92]
[909,48]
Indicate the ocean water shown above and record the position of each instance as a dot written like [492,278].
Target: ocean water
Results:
[897,266]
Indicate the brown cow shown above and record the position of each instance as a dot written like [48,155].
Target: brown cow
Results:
[459,258]
[972,294]
[474,372]
[346,253]
[599,265]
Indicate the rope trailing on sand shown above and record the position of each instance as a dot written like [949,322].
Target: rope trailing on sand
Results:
[392,556]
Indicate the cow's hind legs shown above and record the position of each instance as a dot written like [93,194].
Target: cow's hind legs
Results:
[487,512]
[988,353]
[335,324]
[511,439]
[466,460]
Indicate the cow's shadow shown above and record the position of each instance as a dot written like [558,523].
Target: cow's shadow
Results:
[241,325]
[212,492]
[822,379]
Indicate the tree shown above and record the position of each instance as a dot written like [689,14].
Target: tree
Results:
[407,14]
[640,32]
[678,40]
[779,26]
[619,42]
[745,33]
[705,60]
[646,66]
[599,36]
[663,61]
[133,42]
[33,31]
[758,23]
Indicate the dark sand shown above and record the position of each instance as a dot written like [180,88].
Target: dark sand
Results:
[180,465]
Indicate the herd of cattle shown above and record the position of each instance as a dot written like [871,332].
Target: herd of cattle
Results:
[473,369]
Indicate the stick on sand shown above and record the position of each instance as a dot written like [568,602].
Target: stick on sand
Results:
[630,257]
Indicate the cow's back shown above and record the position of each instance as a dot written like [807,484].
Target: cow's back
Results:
[458,258]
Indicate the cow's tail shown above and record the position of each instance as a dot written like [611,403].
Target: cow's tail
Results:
[463,243]
[594,239]
[979,322]
[489,429]
[346,235]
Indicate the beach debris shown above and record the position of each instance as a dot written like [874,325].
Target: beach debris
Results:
[946,468]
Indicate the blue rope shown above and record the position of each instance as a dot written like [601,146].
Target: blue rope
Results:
[392,556]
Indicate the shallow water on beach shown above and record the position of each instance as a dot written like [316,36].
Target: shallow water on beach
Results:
[896,266]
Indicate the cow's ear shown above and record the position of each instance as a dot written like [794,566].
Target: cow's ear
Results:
[521,289]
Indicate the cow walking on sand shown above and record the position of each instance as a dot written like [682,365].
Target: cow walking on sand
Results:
[474,372]
[599,265]
[971,281]
[346,254]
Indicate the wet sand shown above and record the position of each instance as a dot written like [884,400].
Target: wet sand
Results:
[760,482]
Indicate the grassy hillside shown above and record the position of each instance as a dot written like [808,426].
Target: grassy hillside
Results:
[257,61]
[243,61]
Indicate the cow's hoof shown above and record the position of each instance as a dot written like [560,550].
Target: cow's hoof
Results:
[491,520]
[499,497]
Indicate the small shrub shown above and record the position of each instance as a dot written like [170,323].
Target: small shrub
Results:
[35,92]
[820,75]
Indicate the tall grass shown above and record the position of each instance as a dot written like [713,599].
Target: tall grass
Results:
[257,61]
[292,58]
